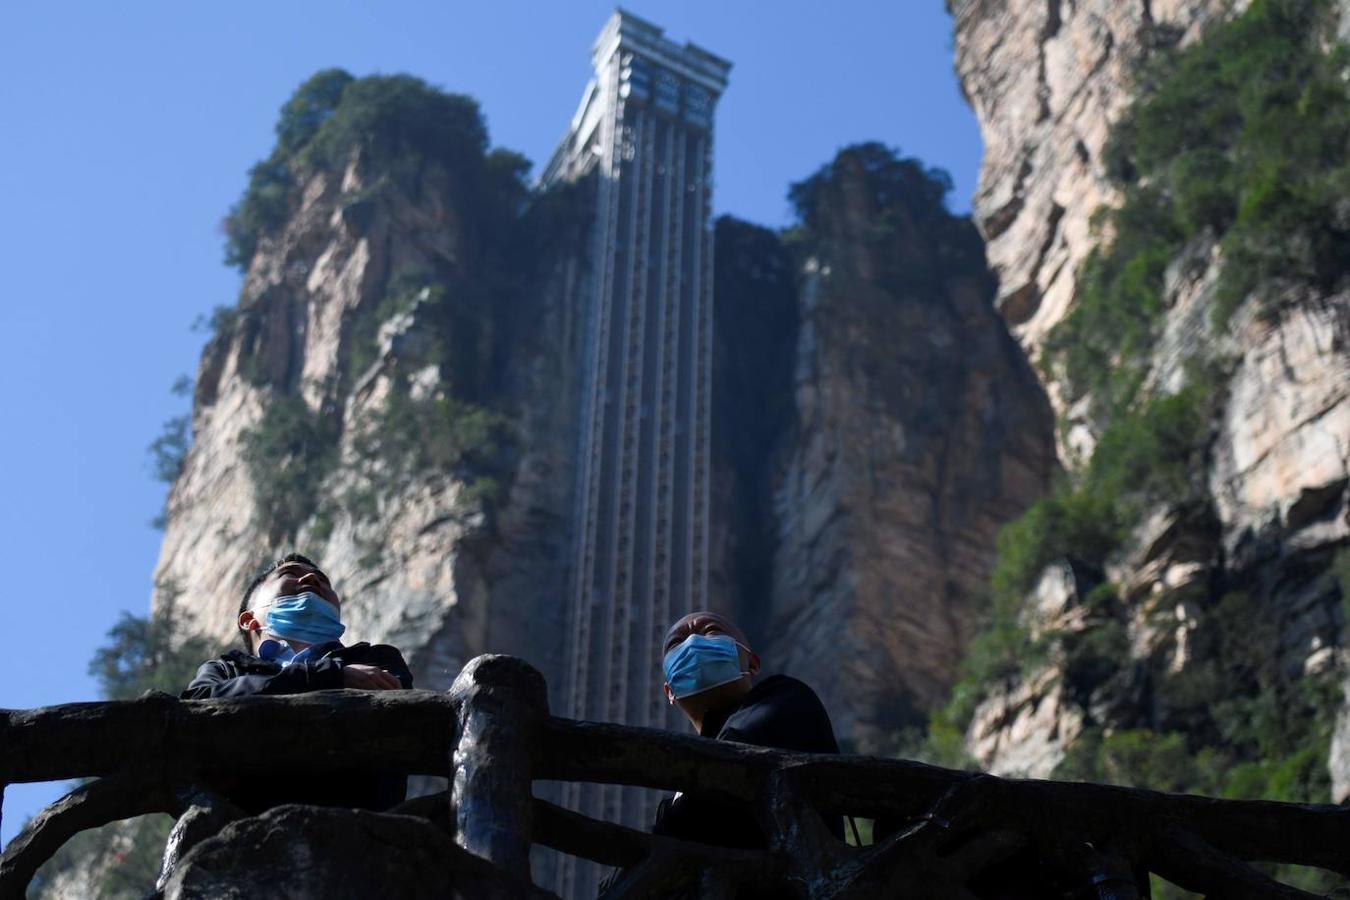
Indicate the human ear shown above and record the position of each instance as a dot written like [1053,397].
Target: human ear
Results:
[248,622]
[670,695]
[753,667]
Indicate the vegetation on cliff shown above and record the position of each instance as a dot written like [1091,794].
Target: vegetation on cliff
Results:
[1240,137]
[454,318]
[398,123]
[1147,457]
[1240,140]
[411,435]
[168,451]
[871,201]
[289,453]
[266,202]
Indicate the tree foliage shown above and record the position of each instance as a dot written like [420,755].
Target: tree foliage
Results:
[1240,136]
[397,120]
[410,436]
[145,654]
[1150,455]
[168,450]
[289,453]
[870,198]
[399,124]
[265,203]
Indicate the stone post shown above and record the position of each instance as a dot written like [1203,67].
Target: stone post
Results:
[501,702]
[202,814]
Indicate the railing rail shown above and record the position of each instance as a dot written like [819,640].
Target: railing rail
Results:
[493,736]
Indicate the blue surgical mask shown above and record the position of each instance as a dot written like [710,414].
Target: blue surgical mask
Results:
[700,663]
[304,617]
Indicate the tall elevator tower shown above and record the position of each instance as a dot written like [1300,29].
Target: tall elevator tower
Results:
[642,140]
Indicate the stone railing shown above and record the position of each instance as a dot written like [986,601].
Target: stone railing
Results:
[493,737]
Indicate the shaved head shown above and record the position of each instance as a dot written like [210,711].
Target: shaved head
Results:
[703,622]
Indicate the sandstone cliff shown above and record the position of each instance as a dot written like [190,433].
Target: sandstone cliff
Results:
[1046,81]
[915,430]
[378,286]
[1253,547]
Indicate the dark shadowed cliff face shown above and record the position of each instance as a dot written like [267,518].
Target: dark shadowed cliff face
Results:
[755,333]
[916,430]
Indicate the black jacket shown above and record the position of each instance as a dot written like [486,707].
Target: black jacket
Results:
[779,712]
[239,674]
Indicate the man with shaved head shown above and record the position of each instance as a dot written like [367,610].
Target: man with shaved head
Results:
[709,674]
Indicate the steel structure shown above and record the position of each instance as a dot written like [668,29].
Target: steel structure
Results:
[642,141]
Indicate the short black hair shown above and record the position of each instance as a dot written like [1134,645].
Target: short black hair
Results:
[259,578]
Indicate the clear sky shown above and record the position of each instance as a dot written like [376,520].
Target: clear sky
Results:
[126,130]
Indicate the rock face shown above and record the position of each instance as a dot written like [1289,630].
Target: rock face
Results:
[307,851]
[1025,729]
[1284,451]
[1047,81]
[424,567]
[917,430]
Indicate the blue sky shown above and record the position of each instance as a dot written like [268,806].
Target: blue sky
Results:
[125,134]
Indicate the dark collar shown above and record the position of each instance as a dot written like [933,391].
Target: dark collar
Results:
[716,720]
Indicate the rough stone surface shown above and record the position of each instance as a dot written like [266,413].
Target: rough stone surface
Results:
[305,851]
[425,571]
[1046,81]
[1024,732]
[919,431]
[1024,729]
[1284,448]
[1339,762]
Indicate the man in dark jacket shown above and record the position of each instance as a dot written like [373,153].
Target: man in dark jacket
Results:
[290,622]
[708,669]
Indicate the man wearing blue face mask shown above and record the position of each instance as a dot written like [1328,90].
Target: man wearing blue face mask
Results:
[290,621]
[709,670]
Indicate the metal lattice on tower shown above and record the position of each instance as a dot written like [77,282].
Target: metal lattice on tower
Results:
[642,137]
